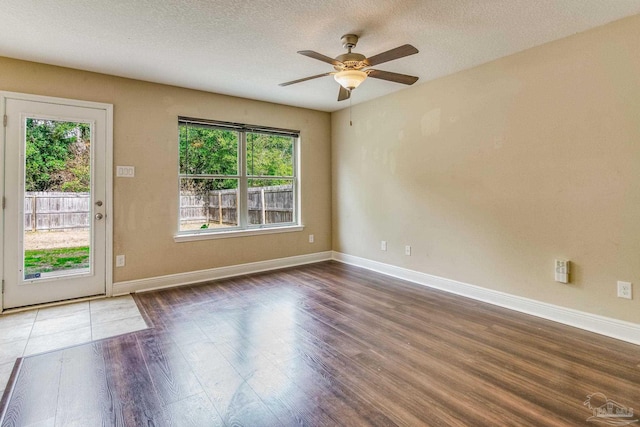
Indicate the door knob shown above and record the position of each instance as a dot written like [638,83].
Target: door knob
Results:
[99,216]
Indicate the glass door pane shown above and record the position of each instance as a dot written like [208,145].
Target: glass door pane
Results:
[57,199]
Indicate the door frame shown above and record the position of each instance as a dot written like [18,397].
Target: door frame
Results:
[108,108]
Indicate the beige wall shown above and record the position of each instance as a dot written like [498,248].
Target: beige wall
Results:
[145,136]
[492,173]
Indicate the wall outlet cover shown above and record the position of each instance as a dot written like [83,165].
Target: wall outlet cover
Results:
[562,270]
[120,260]
[625,290]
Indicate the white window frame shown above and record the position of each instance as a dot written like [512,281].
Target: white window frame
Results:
[244,228]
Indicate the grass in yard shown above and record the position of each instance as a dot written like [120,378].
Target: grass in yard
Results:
[45,260]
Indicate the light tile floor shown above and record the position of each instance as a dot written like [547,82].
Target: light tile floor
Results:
[46,329]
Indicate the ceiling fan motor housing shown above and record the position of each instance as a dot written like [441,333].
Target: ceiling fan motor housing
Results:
[349,60]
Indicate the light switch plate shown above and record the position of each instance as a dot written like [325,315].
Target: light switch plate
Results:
[125,171]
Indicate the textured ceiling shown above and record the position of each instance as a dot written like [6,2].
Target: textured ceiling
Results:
[246,47]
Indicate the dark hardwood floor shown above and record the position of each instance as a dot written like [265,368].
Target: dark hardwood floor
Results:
[321,345]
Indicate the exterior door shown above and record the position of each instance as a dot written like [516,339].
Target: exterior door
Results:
[55,199]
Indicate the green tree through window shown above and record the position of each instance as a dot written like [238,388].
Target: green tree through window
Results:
[57,156]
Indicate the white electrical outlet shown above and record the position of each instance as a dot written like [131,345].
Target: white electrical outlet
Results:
[383,245]
[562,270]
[119,260]
[311,238]
[407,250]
[624,290]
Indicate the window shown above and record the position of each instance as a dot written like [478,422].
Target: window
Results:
[236,177]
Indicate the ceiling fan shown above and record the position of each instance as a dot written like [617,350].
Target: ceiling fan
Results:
[351,68]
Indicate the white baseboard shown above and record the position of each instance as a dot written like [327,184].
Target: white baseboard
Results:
[619,329]
[171,280]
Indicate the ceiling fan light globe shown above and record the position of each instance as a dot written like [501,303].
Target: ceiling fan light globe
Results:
[350,79]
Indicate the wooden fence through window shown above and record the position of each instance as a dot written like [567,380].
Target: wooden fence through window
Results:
[267,205]
[44,211]
[56,211]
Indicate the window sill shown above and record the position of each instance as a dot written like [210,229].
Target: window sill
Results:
[192,237]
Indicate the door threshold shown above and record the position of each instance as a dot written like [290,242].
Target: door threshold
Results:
[51,304]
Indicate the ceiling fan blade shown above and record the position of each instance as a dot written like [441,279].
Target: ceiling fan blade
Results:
[304,79]
[343,94]
[390,55]
[319,57]
[392,77]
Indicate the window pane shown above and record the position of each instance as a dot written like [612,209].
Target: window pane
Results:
[270,201]
[208,203]
[208,151]
[269,155]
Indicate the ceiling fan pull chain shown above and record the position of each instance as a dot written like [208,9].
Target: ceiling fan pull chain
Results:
[350,122]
